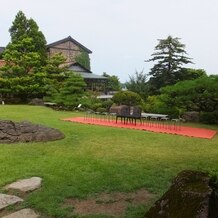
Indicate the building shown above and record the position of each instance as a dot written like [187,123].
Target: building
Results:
[2,49]
[70,49]
[94,82]
[2,62]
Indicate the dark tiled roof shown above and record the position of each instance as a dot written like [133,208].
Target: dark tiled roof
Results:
[85,73]
[92,76]
[2,49]
[76,67]
[69,38]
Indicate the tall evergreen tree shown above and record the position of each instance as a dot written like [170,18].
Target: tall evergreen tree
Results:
[38,38]
[170,56]
[27,50]
[19,27]
[25,57]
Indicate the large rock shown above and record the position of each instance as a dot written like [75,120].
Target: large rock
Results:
[36,101]
[11,132]
[25,213]
[25,185]
[191,195]
[7,200]
[191,116]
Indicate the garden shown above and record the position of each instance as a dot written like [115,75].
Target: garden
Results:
[92,160]
[99,171]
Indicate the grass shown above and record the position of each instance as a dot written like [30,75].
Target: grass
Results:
[93,159]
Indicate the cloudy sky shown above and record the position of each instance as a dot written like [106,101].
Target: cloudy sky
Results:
[123,33]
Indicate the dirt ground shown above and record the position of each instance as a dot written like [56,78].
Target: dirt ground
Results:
[112,204]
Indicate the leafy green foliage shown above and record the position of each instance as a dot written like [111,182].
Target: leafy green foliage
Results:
[55,64]
[23,88]
[127,98]
[112,83]
[209,117]
[70,92]
[20,59]
[19,27]
[28,72]
[138,84]
[190,74]
[155,104]
[23,28]
[84,60]
[26,53]
[170,57]
[193,95]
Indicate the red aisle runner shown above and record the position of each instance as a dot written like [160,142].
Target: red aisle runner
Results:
[154,127]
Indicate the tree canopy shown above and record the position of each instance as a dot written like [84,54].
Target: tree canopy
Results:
[23,28]
[28,73]
[26,53]
[127,98]
[193,95]
[169,58]
[84,60]
[70,92]
[138,83]
[112,83]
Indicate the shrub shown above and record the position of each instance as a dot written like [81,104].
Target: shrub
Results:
[154,104]
[96,106]
[127,98]
[101,109]
[209,117]
[107,104]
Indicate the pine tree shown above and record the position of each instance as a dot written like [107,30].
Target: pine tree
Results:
[71,92]
[26,52]
[170,56]
[38,38]
[25,57]
[19,27]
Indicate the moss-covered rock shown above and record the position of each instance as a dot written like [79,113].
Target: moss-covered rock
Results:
[191,195]
[13,132]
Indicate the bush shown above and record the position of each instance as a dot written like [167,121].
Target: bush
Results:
[154,104]
[101,110]
[96,106]
[209,117]
[127,98]
[107,104]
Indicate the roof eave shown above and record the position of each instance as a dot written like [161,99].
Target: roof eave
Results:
[69,38]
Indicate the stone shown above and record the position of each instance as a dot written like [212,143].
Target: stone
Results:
[192,194]
[36,101]
[191,116]
[13,132]
[25,185]
[7,200]
[24,213]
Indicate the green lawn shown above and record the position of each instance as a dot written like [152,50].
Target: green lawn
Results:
[94,159]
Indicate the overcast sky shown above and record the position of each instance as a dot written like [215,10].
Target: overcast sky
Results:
[123,33]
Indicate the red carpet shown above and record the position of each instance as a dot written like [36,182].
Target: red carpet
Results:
[154,127]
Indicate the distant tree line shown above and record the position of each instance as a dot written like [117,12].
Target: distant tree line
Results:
[171,88]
